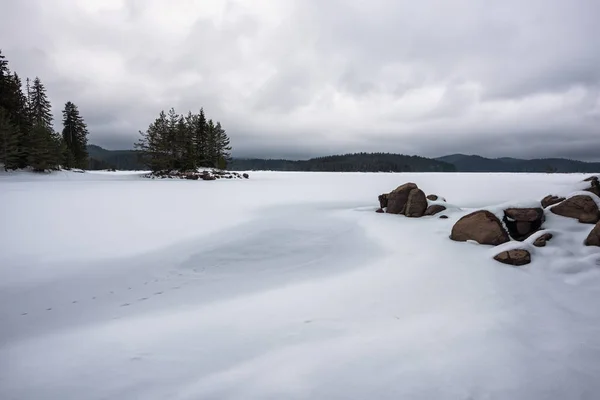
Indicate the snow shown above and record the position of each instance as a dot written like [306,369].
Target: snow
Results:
[287,285]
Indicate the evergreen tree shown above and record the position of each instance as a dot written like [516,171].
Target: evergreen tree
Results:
[223,148]
[153,145]
[39,104]
[14,110]
[9,142]
[42,154]
[200,137]
[74,137]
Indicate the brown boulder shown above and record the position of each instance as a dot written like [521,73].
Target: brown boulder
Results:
[434,209]
[432,197]
[383,200]
[481,226]
[379,211]
[416,204]
[397,199]
[591,178]
[551,200]
[541,241]
[593,238]
[514,257]
[581,207]
[443,217]
[523,222]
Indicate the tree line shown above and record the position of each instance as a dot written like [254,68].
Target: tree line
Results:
[356,162]
[27,135]
[175,142]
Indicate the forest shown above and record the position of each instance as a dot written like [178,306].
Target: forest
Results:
[27,135]
[175,142]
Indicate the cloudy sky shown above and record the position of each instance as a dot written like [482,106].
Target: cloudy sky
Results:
[297,78]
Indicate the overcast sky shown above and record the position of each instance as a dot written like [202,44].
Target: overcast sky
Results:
[297,78]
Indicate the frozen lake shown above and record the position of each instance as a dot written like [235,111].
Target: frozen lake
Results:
[286,285]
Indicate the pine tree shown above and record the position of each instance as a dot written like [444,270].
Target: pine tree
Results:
[153,145]
[223,148]
[42,146]
[201,141]
[74,137]
[9,142]
[16,123]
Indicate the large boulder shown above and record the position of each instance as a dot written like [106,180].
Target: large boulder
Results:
[434,209]
[481,226]
[593,238]
[416,204]
[581,207]
[551,200]
[523,222]
[515,257]
[397,199]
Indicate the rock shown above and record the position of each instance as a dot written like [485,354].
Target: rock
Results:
[432,197]
[434,209]
[246,176]
[383,200]
[523,222]
[192,177]
[379,210]
[589,218]
[481,226]
[443,217]
[593,238]
[514,257]
[595,187]
[541,241]
[397,199]
[591,178]
[581,207]
[416,204]
[550,200]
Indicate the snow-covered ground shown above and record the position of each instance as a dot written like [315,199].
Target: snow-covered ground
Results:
[286,286]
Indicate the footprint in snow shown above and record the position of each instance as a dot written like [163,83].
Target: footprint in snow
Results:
[74,302]
[143,299]
[125,305]
[157,293]
[24,314]
[49,309]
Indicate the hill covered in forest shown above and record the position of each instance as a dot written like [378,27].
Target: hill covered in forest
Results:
[474,163]
[357,162]
[364,162]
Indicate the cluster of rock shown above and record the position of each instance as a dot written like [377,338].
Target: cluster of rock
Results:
[410,201]
[206,175]
[485,228]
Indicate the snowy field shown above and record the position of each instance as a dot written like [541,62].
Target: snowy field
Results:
[286,286]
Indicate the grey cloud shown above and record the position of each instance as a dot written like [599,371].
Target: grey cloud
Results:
[305,77]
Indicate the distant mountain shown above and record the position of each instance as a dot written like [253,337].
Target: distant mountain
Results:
[118,159]
[474,163]
[357,162]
